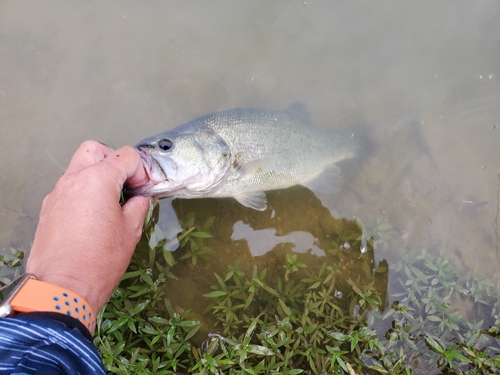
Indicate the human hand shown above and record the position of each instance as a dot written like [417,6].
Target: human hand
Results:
[85,239]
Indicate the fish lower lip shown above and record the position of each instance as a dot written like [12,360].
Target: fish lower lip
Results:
[165,178]
[151,164]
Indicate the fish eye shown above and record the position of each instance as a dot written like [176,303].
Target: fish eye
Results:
[165,144]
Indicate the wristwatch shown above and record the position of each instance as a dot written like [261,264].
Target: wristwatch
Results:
[27,294]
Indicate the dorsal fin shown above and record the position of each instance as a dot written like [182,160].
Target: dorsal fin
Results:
[299,109]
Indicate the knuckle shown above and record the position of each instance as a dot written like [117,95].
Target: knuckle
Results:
[90,145]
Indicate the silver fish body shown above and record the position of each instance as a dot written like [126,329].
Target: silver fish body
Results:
[243,152]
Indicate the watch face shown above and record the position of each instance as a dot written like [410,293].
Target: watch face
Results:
[5,310]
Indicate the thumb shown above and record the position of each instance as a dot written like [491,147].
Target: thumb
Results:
[135,211]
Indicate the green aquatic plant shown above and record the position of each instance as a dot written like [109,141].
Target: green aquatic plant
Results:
[375,236]
[301,316]
[192,238]
[292,265]
[10,266]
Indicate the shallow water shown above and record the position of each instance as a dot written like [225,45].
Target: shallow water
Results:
[424,75]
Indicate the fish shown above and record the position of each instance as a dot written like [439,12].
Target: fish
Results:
[243,153]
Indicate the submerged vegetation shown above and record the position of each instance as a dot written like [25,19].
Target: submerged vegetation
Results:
[334,314]
[10,266]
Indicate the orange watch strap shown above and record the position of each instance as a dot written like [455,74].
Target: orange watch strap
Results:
[37,295]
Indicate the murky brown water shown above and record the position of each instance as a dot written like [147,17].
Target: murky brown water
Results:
[425,74]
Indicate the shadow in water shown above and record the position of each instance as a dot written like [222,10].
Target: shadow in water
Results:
[295,229]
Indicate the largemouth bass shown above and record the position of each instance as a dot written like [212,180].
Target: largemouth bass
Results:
[244,152]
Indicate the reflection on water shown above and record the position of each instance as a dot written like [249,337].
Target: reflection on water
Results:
[262,241]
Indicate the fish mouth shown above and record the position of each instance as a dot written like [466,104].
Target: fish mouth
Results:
[155,173]
[154,169]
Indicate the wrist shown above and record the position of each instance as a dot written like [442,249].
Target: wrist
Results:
[27,294]
[76,284]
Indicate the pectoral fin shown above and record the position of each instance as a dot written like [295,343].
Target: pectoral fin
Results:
[256,200]
[327,181]
[256,166]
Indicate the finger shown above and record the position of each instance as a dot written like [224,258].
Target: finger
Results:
[88,154]
[125,165]
[135,211]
